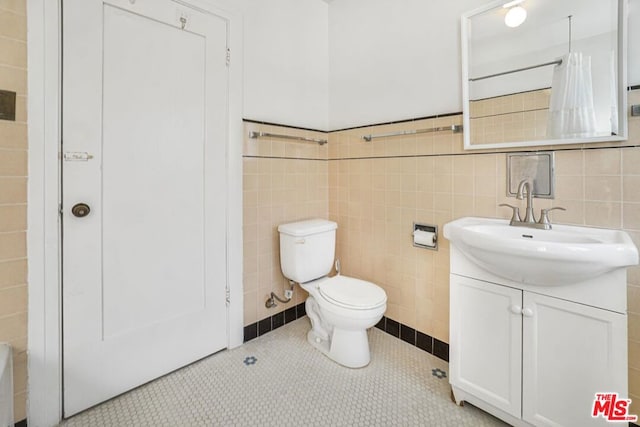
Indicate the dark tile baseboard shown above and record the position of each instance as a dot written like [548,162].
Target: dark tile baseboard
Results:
[431,345]
[22,423]
[424,342]
[273,322]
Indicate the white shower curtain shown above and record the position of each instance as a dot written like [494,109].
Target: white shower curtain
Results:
[571,111]
[614,96]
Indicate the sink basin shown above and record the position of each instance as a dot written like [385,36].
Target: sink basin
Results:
[561,256]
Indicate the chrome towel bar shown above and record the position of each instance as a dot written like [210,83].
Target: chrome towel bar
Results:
[256,135]
[453,128]
[517,70]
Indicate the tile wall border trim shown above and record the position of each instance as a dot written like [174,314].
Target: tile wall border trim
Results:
[393,122]
[480,153]
[473,153]
[431,345]
[509,94]
[271,323]
[466,153]
[435,116]
[284,158]
[260,122]
[506,114]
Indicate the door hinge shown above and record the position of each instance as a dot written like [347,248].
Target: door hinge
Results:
[228,56]
[228,295]
[60,209]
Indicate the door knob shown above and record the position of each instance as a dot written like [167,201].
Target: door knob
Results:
[80,210]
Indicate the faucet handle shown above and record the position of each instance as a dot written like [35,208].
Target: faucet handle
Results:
[544,214]
[515,217]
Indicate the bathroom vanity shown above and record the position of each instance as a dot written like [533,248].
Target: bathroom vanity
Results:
[529,342]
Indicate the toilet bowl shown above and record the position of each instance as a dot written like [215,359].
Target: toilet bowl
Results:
[340,308]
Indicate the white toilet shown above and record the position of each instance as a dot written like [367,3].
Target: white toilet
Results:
[341,308]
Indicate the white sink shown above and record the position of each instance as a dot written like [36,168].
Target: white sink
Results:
[561,256]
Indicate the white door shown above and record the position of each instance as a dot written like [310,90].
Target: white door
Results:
[144,273]
[570,352]
[486,342]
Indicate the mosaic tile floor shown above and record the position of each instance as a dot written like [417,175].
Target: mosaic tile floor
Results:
[278,379]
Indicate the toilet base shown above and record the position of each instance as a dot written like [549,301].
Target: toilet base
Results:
[348,348]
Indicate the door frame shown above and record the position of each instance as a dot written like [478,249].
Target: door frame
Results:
[44,405]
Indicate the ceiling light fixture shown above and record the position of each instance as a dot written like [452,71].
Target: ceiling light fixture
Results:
[515,16]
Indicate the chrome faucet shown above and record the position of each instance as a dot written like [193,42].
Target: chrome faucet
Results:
[529,220]
[526,186]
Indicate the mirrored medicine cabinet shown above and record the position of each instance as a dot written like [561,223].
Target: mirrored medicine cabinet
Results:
[544,72]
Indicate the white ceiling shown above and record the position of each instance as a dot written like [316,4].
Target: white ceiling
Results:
[589,18]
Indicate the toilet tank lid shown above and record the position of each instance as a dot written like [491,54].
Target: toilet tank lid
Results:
[307,228]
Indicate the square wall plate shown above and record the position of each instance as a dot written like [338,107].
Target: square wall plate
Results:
[538,167]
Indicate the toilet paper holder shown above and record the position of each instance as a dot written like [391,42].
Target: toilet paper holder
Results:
[425,236]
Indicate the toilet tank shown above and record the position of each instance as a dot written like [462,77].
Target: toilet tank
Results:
[307,249]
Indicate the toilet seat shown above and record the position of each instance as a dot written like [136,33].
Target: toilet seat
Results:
[351,293]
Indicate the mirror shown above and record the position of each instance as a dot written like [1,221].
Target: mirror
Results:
[544,72]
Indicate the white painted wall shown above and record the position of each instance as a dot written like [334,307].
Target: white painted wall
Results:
[357,62]
[400,59]
[286,57]
[394,59]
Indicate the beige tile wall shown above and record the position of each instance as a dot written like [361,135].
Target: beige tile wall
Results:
[374,201]
[13,195]
[283,181]
[378,189]
[510,118]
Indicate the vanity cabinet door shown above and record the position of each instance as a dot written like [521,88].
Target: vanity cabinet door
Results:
[486,346]
[570,352]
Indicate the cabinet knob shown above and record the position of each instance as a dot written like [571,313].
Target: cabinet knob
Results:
[515,309]
[527,312]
